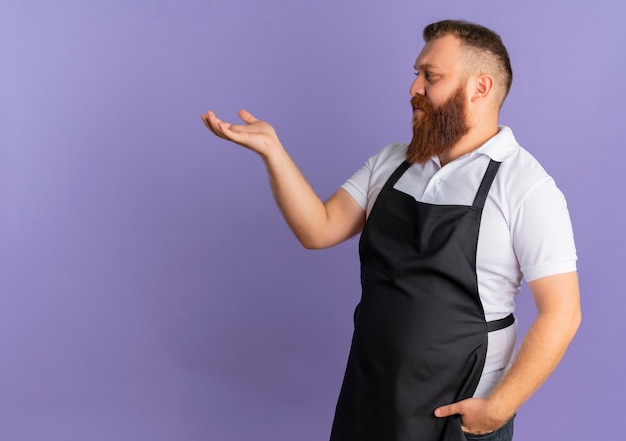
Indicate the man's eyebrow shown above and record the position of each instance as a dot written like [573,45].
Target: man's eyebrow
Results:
[425,66]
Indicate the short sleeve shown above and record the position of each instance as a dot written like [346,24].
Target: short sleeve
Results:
[358,184]
[543,238]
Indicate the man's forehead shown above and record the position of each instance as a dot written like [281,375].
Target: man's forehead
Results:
[439,53]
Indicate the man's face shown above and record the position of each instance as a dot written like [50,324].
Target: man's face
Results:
[438,100]
[436,129]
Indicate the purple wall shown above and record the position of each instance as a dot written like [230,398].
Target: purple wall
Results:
[149,289]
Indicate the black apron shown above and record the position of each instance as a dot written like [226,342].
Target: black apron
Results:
[420,335]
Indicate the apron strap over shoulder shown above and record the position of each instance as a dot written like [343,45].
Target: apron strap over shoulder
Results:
[485,185]
[397,174]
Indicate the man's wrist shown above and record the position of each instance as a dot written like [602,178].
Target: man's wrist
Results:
[500,408]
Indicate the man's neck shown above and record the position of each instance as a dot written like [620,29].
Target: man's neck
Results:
[470,142]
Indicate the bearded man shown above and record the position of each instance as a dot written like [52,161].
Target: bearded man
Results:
[450,225]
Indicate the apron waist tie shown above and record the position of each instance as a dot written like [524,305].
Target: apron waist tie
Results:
[502,323]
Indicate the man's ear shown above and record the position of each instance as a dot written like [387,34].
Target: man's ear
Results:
[482,87]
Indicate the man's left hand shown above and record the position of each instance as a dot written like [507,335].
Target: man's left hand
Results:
[478,416]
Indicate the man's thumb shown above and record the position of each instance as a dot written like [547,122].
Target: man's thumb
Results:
[247,117]
[446,411]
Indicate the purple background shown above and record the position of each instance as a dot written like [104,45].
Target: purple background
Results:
[149,289]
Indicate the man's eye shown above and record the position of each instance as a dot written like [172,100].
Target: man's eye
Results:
[426,74]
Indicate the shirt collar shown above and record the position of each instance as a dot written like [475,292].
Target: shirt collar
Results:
[498,148]
[501,146]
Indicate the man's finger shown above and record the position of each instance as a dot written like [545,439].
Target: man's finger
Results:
[216,126]
[247,117]
[234,133]
[450,409]
[226,130]
[207,123]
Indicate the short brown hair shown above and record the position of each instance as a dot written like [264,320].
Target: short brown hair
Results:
[487,47]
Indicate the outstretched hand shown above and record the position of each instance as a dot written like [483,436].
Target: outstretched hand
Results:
[258,136]
[478,416]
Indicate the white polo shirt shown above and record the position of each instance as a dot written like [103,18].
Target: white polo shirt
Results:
[525,227]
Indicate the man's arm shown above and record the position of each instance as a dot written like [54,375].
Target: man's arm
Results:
[558,317]
[316,224]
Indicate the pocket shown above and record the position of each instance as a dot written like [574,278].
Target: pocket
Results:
[504,433]
[484,436]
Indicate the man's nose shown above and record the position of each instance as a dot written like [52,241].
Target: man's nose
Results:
[417,87]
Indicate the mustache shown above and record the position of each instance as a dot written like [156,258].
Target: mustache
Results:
[420,102]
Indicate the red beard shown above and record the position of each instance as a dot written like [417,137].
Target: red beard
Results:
[437,129]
